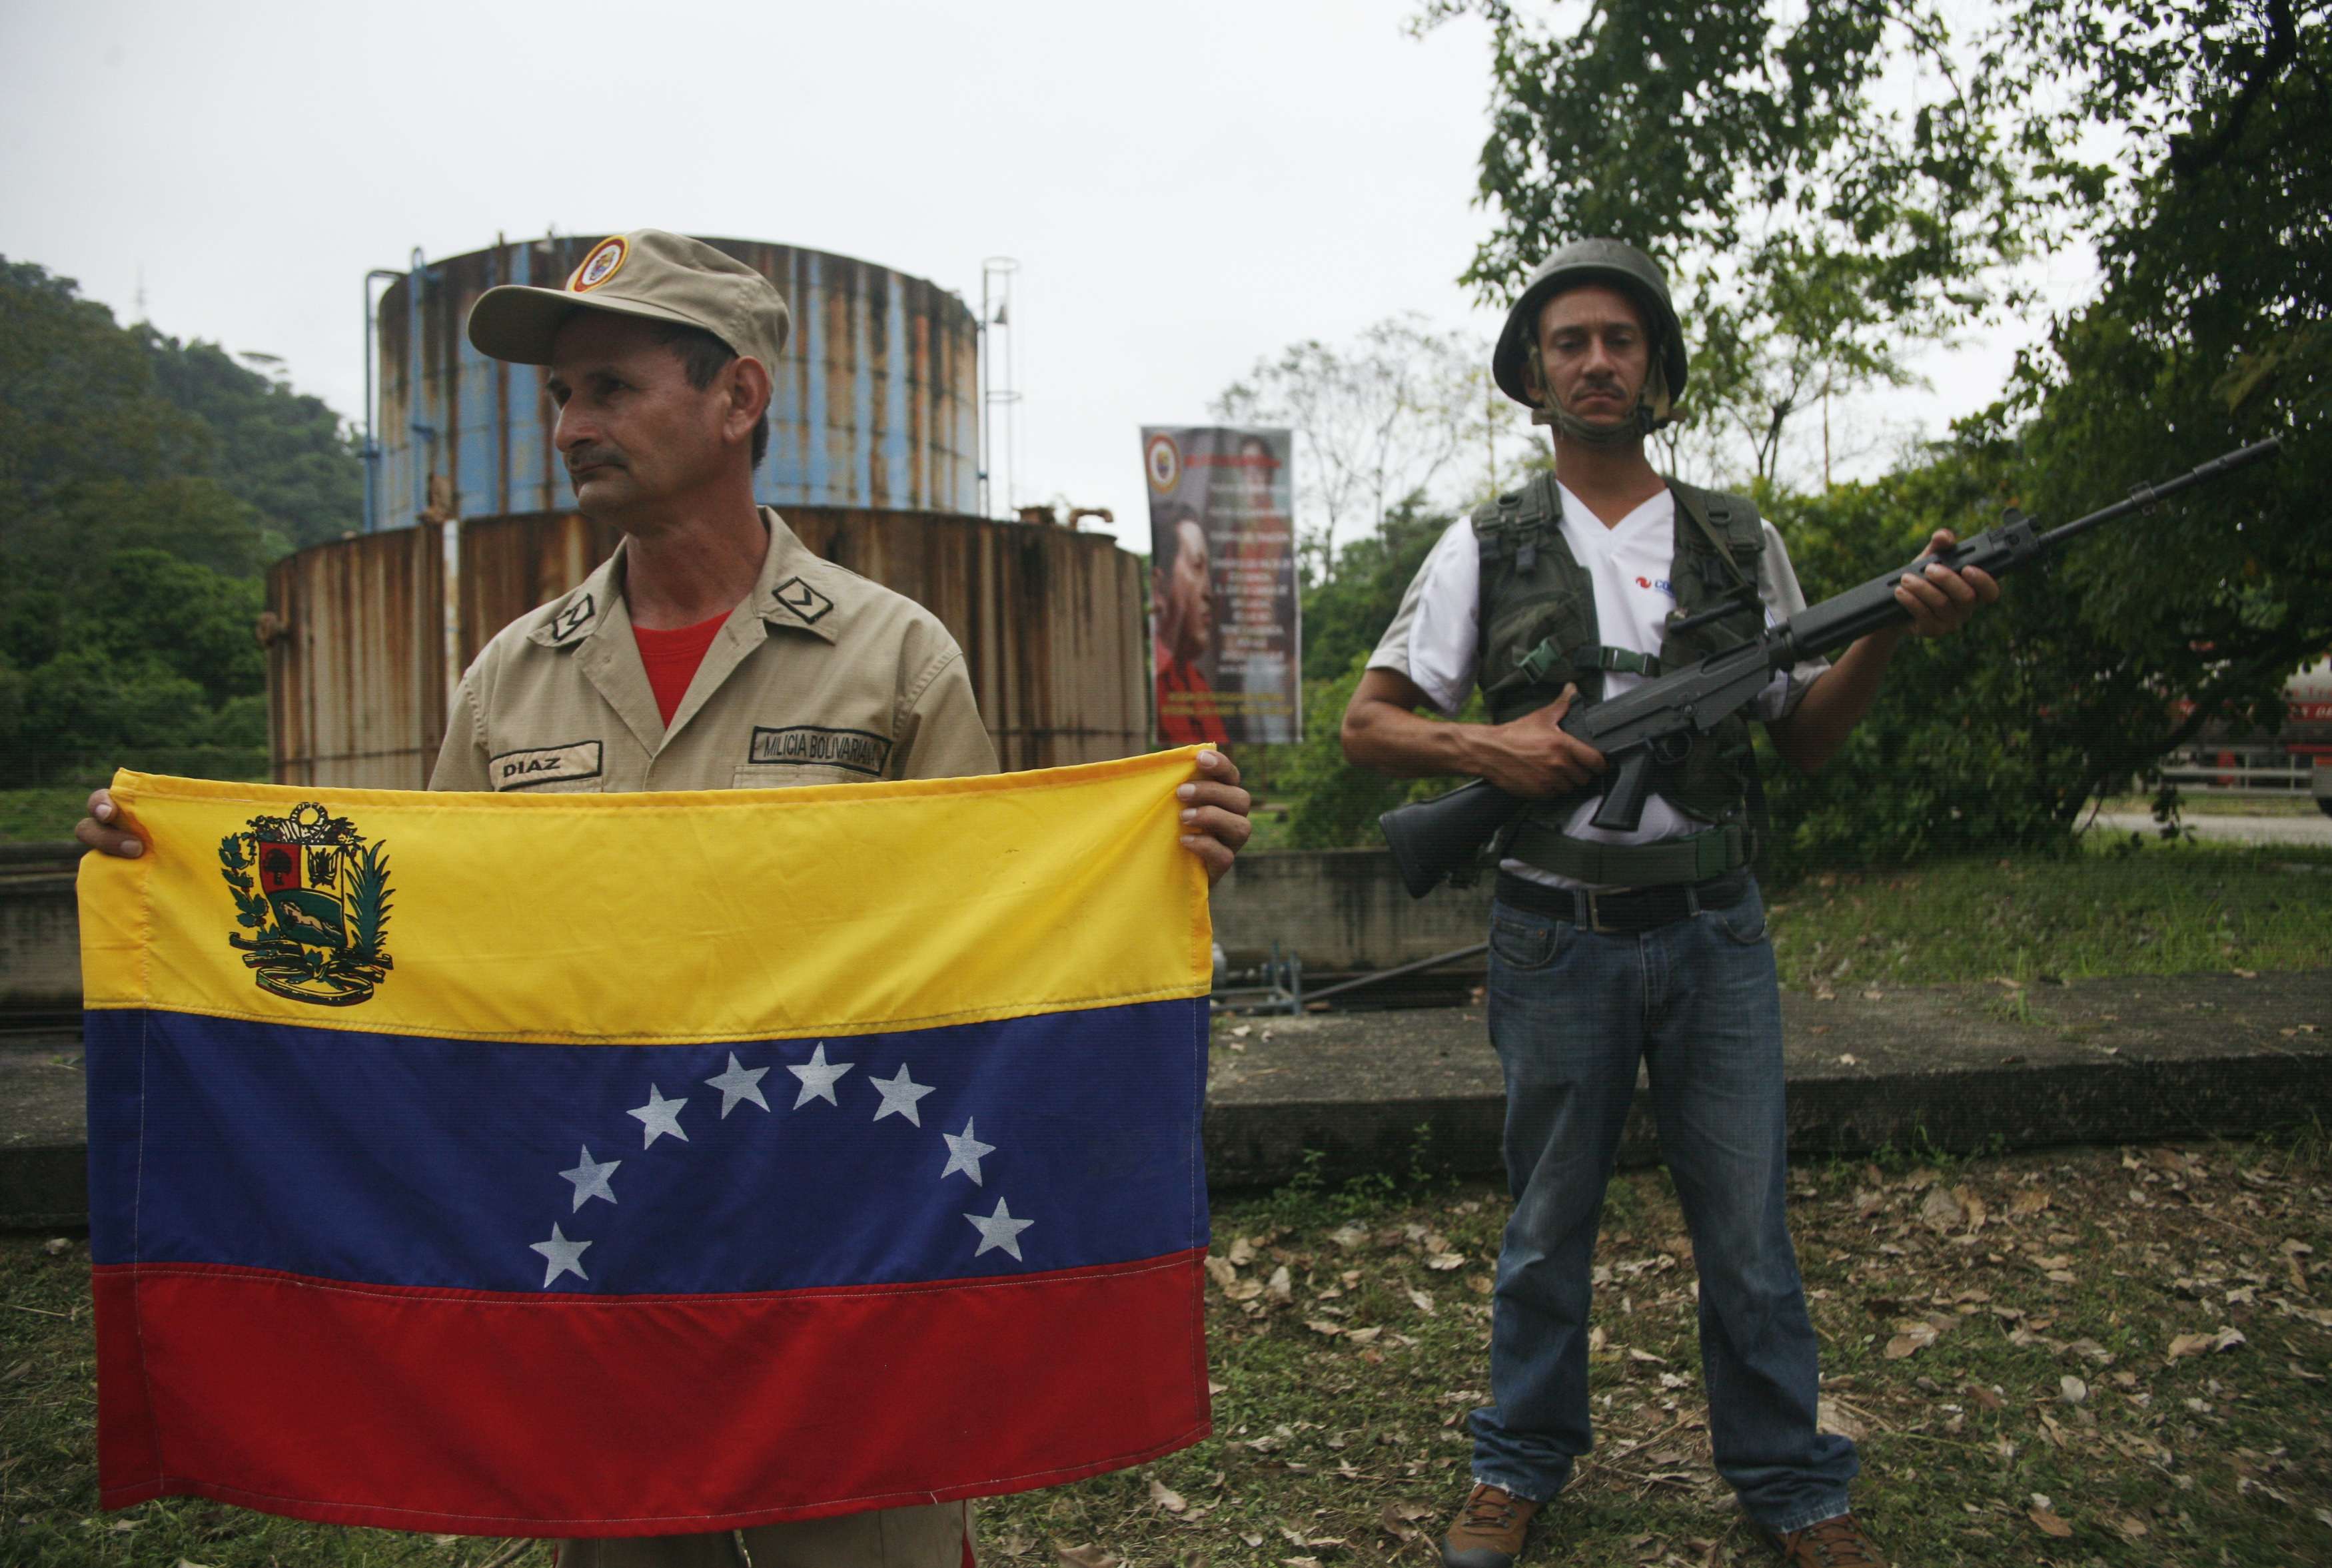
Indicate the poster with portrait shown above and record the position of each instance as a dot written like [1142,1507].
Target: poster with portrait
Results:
[1224,617]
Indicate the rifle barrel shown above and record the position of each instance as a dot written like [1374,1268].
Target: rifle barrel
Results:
[2143,497]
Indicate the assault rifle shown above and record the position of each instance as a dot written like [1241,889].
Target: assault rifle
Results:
[1649,727]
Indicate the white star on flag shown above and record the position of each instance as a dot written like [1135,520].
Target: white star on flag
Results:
[659,1116]
[964,1153]
[564,1257]
[1000,1229]
[817,1079]
[590,1179]
[736,1085]
[900,1094]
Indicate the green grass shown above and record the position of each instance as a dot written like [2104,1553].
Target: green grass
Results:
[2195,804]
[1271,828]
[47,812]
[2162,908]
[1348,1447]
[50,810]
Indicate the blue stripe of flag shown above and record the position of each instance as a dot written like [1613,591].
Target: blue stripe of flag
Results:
[399,1161]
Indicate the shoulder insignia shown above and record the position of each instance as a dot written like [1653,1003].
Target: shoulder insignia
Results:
[572,622]
[318,913]
[807,602]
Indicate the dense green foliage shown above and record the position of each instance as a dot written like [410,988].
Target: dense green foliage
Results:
[284,455]
[2215,327]
[144,483]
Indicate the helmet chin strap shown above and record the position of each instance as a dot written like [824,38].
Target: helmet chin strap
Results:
[1653,409]
[1627,433]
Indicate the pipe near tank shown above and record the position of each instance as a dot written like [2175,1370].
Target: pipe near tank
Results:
[425,445]
[371,442]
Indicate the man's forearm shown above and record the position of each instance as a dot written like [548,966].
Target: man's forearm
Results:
[1835,703]
[1530,756]
[1394,740]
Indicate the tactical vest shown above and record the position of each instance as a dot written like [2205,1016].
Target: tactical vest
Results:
[1539,634]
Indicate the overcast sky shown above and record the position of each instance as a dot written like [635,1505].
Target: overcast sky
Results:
[1186,188]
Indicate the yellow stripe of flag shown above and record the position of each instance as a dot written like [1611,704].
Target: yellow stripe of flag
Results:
[640,918]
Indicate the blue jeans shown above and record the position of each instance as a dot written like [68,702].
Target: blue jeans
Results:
[1697,1001]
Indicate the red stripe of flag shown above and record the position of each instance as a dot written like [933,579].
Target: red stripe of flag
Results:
[515,1414]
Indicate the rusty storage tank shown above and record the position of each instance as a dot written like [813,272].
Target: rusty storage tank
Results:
[877,403]
[872,462]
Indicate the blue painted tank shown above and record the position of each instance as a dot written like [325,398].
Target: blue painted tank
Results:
[877,404]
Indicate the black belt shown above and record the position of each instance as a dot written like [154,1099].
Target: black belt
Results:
[1629,909]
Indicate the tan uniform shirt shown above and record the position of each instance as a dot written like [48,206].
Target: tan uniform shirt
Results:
[818,676]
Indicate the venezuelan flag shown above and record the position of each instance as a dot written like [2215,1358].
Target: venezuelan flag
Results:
[640,1164]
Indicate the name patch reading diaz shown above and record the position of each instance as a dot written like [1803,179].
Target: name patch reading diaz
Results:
[517,770]
[807,745]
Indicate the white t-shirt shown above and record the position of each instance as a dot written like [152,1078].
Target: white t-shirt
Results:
[1434,638]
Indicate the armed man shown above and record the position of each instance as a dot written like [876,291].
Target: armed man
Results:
[1609,947]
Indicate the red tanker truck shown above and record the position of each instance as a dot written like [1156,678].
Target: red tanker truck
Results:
[2297,757]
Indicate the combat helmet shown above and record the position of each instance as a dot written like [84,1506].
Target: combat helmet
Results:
[1609,261]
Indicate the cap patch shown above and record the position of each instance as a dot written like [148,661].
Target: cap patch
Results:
[600,265]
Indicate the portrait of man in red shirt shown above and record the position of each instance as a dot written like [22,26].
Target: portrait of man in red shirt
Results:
[1182,597]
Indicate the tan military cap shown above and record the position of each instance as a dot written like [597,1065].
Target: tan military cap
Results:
[648,273]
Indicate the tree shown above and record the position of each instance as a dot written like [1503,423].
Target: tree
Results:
[77,400]
[2210,330]
[1346,614]
[286,454]
[143,483]
[1389,416]
[2213,327]
[1824,179]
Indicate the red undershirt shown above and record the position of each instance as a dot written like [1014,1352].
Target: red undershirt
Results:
[671,659]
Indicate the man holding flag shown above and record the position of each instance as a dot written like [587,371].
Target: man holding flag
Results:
[712,651]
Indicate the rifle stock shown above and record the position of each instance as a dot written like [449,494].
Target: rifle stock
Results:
[1430,839]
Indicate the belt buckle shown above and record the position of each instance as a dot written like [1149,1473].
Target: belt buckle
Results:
[1595,916]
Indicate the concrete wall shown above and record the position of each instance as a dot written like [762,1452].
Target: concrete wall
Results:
[1340,909]
[40,928]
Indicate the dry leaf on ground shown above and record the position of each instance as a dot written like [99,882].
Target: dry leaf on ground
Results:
[1831,1418]
[1915,1338]
[2184,1344]
[2050,1523]
[1941,1211]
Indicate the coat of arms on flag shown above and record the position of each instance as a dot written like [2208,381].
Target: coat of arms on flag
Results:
[320,912]
[813,1150]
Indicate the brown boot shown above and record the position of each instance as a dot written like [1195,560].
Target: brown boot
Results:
[1489,1530]
[1839,1543]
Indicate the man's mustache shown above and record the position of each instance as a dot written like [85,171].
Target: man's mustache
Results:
[585,457]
